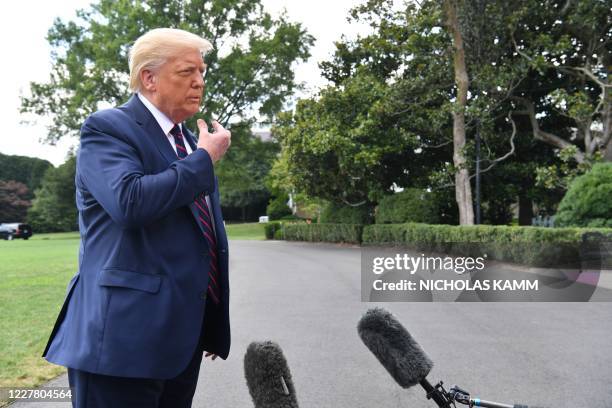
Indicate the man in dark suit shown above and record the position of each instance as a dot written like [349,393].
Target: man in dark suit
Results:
[152,290]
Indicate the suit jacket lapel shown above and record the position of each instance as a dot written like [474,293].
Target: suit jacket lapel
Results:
[146,119]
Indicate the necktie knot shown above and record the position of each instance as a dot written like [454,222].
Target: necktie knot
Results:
[179,142]
[176,131]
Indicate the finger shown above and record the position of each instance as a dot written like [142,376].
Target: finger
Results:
[217,126]
[203,126]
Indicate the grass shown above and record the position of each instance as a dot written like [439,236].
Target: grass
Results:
[33,279]
[250,231]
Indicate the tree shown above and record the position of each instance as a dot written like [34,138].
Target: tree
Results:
[14,201]
[26,170]
[243,170]
[54,208]
[569,45]
[345,146]
[250,73]
[407,71]
[463,189]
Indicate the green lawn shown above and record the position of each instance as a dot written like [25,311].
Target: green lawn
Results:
[251,231]
[33,279]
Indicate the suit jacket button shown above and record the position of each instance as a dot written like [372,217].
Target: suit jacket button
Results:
[203,295]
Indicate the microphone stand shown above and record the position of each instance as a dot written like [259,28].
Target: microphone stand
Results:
[463,397]
[447,399]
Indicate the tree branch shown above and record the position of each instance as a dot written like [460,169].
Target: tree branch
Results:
[542,135]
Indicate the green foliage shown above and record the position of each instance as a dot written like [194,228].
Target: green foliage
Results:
[344,145]
[243,170]
[14,201]
[271,228]
[278,234]
[26,170]
[53,208]
[561,175]
[278,208]
[342,214]
[349,233]
[250,72]
[411,205]
[533,246]
[588,202]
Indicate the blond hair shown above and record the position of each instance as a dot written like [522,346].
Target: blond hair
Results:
[152,49]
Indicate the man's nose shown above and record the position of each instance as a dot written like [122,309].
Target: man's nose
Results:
[198,82]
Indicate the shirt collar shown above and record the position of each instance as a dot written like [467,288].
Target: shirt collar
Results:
[164,122]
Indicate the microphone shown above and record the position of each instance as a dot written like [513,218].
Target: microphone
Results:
[407,363]
[268,376]
[398,352]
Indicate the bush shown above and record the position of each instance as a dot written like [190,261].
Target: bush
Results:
[588,201]
[278,234]
[270,229]
[525,245]
[411,205]
[350,233]
[277,208]
[344,214]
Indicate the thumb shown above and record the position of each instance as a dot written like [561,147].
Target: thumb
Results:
[202,126]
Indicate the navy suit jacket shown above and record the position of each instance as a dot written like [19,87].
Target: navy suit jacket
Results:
[135,308]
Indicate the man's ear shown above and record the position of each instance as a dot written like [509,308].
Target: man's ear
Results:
[148,79]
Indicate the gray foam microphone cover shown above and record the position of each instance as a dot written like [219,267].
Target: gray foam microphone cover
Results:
[394,347]
[268,376]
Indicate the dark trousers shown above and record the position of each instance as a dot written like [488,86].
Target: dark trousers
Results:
[91,390]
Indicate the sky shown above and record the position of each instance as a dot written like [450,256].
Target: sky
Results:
[24,26]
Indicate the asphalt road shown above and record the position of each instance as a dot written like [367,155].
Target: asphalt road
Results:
[306,297]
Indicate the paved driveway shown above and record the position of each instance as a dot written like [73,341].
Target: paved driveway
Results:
[306,297]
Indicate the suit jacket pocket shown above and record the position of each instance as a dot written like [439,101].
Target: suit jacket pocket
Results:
[129,279]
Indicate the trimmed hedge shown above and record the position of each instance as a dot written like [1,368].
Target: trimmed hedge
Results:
[349,233]
[534,246]
[525,245]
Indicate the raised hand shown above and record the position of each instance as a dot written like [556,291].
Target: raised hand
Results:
[215,143]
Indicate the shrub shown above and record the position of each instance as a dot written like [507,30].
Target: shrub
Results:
[350,233]
[525,245]
[278,208]
[270,229]
[343,214]
[588,201]
[411,205]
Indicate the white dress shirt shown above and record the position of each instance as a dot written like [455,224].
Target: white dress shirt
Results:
[166,126]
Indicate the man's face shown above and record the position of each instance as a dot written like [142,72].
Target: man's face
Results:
[179,84]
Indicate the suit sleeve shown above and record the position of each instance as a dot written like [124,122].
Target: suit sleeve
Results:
[111,169]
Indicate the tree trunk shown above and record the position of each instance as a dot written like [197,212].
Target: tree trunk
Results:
[463,189]
[525,209]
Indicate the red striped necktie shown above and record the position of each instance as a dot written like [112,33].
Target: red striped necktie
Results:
[204,219]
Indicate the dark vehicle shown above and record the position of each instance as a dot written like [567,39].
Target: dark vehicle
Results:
[15,230]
